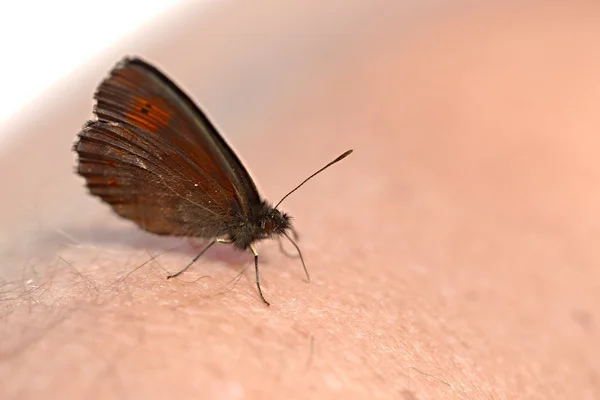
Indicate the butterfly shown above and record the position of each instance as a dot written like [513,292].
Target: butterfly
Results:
[153,155]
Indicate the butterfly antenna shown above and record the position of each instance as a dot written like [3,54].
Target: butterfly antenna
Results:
[340,158]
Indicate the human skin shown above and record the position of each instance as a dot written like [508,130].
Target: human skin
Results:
[452,255]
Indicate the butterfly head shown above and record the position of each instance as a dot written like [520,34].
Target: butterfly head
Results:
[265,222]
[275,222]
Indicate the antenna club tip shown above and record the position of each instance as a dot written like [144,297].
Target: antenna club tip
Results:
[346,154]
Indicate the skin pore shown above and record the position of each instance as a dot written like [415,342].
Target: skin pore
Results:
[453,255]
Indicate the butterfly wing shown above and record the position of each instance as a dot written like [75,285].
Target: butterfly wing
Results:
[156,159]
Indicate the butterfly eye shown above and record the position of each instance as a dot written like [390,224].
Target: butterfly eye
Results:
[269,225]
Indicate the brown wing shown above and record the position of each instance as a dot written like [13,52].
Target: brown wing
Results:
[157,159]
[150,182]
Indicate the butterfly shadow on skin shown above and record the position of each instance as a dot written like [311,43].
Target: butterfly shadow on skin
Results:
[106,238]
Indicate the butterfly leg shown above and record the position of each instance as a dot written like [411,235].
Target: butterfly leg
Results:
[198,256]
[294,233]
[299,255]
[257,276]
[284,251]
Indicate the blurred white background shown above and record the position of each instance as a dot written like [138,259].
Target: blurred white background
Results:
[42,42]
